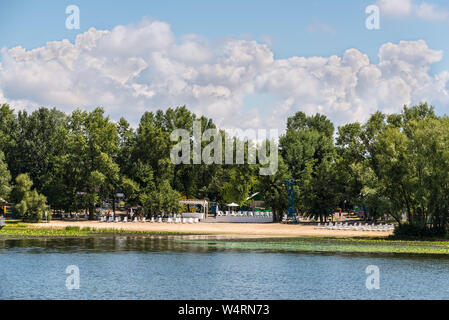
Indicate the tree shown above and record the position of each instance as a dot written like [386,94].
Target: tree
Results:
[5,178]
[309,151]
[273,190]
[9,132]
[131,190]
[162,200]
[89,168]
[30,205]
[350,158]
[33,207]
[40,140]
[22,186]
[126,144]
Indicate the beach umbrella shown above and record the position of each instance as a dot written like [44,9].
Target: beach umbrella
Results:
[230,205]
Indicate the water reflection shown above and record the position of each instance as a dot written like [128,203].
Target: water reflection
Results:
[100,244]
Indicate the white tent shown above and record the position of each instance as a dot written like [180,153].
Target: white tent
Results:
[233,205]
[203,203]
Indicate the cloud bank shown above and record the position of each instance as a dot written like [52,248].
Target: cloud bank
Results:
[143,67]
[407,8]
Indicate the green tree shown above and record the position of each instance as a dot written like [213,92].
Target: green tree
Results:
[308,150]
[22,186]
[9,132]
[273,190]
[89,170]
[162,200]
[5,178]
[33,207]
[30,205]
[131,190]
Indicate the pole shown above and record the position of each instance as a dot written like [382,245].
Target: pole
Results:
[291,215]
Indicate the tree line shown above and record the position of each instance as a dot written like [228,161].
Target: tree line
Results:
[394,165]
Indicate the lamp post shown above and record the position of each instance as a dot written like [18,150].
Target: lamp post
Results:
[291,216]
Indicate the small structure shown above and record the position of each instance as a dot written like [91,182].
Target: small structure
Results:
[291,215]
[202,215]
[232,205]
[256,201]
[2,212]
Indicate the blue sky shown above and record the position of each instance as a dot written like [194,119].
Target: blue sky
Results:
[289,24]
[289,28]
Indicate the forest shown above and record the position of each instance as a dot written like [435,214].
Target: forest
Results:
[394,165]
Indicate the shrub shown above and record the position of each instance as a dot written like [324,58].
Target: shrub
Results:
[72,228]
[410,230]
[33,207]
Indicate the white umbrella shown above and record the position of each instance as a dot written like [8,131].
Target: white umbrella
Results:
[230,205]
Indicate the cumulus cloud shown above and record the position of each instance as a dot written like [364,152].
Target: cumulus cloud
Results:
[406,8]
[144,67]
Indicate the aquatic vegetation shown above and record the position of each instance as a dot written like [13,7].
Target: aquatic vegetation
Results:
[332,245]
[25,230]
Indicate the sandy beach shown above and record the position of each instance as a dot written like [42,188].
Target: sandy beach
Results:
[234,229]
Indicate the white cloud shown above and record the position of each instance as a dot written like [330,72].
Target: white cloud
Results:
[395,8]
[131,69]
[431,12]
[406,8]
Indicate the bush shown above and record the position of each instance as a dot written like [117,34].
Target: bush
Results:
[72,228]
[409,230]
[33,207]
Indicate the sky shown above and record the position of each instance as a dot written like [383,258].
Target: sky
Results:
[246,64]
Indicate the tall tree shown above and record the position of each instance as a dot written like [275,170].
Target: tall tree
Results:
[309,151]
[5,178]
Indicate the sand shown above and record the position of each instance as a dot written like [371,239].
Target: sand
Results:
[251,230]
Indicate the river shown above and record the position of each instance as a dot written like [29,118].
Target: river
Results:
[162,267]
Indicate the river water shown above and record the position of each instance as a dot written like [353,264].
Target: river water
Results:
[158,267]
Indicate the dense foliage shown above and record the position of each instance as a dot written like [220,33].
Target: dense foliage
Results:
[395,165]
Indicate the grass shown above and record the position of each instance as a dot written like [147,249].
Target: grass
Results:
[332,245]
[16,229]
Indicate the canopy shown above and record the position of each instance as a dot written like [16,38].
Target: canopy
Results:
[203,203]
[193,202]
[252,196]
[233,205]
[2,200]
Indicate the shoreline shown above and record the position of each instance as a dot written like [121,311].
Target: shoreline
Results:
[273,237]
[248,230]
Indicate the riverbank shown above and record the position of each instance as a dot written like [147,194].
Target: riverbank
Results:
[250,230]
[20,230]
[252,237]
